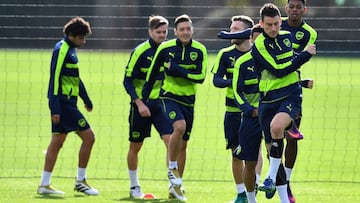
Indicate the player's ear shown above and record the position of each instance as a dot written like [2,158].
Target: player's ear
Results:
[261,23]
[305,9]
[175,32]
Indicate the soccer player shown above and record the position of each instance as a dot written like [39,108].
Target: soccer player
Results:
[246,91]
[184,61]
[144,113]
[64,88]
[279,86]
[302,35]
[223,77]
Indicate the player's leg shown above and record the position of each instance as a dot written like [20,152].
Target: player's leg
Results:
[277,126]
[139,129]
[182,157]
[52,152]
[250,140]
[249,180]
[175,146]
[266,114]
[291,150]
[174,113]
[187,113]
[281,184]
[259,166]
[88,138]
[232,122]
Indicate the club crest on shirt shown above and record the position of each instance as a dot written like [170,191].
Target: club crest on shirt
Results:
[193,56]
[287,42]
[299,35]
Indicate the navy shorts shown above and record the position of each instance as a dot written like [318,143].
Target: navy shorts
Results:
[71,119]
[140,127]
[249,139]
[232,123]
[290,105]
[176,111]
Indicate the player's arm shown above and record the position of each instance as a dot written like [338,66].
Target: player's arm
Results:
[194,72]
[153,70]
[85,97]
[266,61]
[238,84]
[132,71]
[130,74]
[219,70]
[245,34]
[57,62]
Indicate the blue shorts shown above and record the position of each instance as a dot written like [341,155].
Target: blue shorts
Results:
[176,111]
[71,119]
[249,139]
[290,105]
[232,123]
[140,127]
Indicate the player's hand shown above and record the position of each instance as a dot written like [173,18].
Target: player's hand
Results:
[310,84]
[255,113]
[143,110]
[311,48]
[55,118]
[89,109]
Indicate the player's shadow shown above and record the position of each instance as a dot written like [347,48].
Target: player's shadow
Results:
[157,200]
[49,197]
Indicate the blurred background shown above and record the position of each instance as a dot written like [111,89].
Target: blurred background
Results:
[121,25]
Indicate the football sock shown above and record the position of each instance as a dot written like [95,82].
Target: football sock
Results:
[282,191]
[45,178]
[276,151]
[257,178]
[134,181]
[251,197]
[240,188]
[173,164]
[81,174]
[288,172]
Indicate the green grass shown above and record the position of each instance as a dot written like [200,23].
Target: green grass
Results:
[328,162]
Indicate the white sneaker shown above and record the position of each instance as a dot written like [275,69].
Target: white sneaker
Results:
[174,177]
[136,193]
[177,193]
[47,189]
[82,186]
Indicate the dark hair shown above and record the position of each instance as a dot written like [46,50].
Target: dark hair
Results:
[245,19]
[156,21]
[182,18]
[303,1]
[269,10]
[256,28]
[77,26]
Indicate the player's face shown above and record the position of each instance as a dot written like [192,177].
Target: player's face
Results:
[237,26]
[78,41]
[159,34]
[184,32]
[271,25]
[295,10]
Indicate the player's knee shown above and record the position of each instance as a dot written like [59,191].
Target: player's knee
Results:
[179,127]
[276,131]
